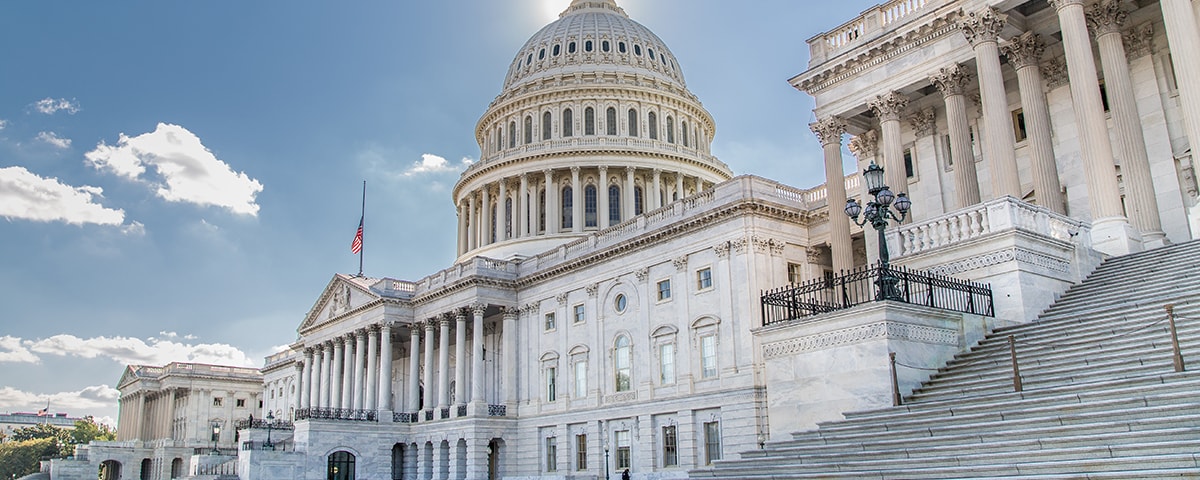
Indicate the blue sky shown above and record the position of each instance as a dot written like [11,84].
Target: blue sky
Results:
[179,180]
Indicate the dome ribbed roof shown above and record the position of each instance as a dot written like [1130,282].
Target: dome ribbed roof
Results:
[591,36]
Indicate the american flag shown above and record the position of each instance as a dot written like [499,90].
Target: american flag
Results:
[356,245]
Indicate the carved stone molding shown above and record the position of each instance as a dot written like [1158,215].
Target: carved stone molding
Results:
[1055,72]
[952,80]
[983,26]
[1024,51]
[1105,17]
[478,309]
[813,255]
[1057,4]
[680,263]
[738,244]
[861,333]
[722,249]
[923,122]
[1139,41]
[889,106]
[829,130]
[866,145]
[562,298]
[531,308]
[1020,255]
[642,273]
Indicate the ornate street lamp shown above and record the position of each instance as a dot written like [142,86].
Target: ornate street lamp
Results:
[606,477]
[270,419]
[216,435]
[877,214]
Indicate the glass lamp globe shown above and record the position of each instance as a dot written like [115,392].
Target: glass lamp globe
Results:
[874,177]
[853,209]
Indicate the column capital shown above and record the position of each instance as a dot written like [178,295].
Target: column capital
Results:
[889,106]
[444,320]
[864,145]
[952,80]
[478,308]
[308,352]
[1105,17]
[983,26]
[373,328]
[1024,50]
[923,122]
[531,308]
[657,171]
[829,130]
[1060,4]
[1055,72]
[574,170]
[1139,40]
[511,313]
[430,324]
[630,169]
[320,347]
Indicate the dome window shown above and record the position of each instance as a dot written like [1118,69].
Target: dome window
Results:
[610,121]
[605,46]
[587,46]
[621,47]
[589,121]
[568,127]
[633,123]
[571,47]
[547,125]
[652,130]
[637,50]
[529,61]
[651,52]
[556,50]
[542,54]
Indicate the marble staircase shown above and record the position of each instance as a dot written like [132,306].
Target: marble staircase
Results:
[1100,397]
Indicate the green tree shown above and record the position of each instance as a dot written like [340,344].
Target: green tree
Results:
[41,430]
[86,430]
[20,458]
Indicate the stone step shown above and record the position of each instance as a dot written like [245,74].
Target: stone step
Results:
[1185,311]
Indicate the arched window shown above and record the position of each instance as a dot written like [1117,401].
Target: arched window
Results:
[652,126]
[637,201]
[610,120]
[568,123]
[512,134]
[547,125]
[147,469]
[341,466]
[508,215]
[571,47]
[587,46]
[605,46]
[541,211]
[633,123]
[557,49]
[398,461]
[621,47]
[614,204]
[589,121]
[637,50]
[670,129]
[499,139]
[683,130]
[177,468]
[567,208]
[528,129]
[589,206]
[622,358]
[492,233]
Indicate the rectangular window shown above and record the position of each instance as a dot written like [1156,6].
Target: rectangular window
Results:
[218,401]
[704,279]
[1018,119]
[666,363]
[664,290]
[708,356]
[623,449]
[241,403]
[795,273]
[712,442]
[670,446]
[581,452]
[580,313]
[551,455]
[551,382]
[550,321]
[580,379]
[909,171]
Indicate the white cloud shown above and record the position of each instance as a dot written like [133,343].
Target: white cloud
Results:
[129,350]
[54,140]
[89,398]
[50,106]
[25,195]
[431,163]
[11,351]
[189,170]
[134,229]
[3,123]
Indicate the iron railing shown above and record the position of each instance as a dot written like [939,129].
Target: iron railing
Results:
[346,414]
[497,410]
[263,423]
[404,417]
[445,413]
[462,410]
[874,283]
[429,415]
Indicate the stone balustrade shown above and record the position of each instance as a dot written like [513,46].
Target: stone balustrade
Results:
[575,144]
[982,220]
[867,25]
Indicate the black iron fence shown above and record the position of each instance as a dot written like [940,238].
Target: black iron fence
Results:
[404,417]
[263,423]
[497,410]
[875,283]
[346,414]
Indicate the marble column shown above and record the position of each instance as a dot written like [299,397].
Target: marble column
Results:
[303,388]
[348,384]
[372,367]
[536,207]
[522,206]
[477,355]
[602,208]
[460,357]
[889,108]
[384,401]
[630,195]
[472,222]
[327,380]
[462,229]
[502,212]
[315,384]
[679,186]
[360,368]
[486,238]
[335,375]
[414,368]
[576,201]
[511,364]
[982,30]
[443,362]
[430,387]
[952,81]
[1024,53]
[1183,37]
[553,211]
[1111,232]
[656,194]
[829,131]
[1106,20]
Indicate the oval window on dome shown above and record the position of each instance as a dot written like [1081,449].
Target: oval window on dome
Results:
[605,46]
[637,50]
[529,61]
[571,47]
[651,52]
[542,54]
[587,46]
[621,47]
[556,50]
[620,303]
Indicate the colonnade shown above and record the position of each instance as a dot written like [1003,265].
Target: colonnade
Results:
[982,30]
[351,372]
[484,216]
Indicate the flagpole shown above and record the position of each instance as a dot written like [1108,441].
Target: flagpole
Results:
[362,222]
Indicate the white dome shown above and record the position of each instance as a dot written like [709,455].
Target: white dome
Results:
[589,36]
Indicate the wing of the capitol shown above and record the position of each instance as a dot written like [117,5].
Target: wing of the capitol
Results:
[1010,289]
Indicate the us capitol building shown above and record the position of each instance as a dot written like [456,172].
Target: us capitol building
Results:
[615,303]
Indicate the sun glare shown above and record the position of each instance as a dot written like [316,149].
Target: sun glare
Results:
[551,8]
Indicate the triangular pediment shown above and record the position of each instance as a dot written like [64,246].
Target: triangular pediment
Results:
[343,294]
